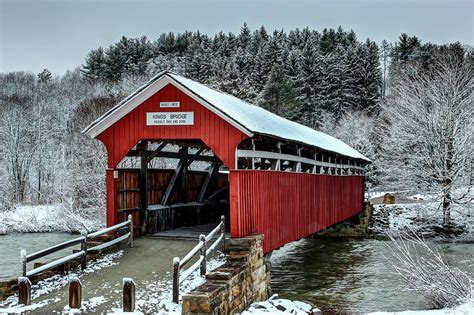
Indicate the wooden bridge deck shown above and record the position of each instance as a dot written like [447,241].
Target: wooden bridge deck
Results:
[187,233]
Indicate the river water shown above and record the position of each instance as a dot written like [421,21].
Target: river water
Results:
[350,276]
[12,244]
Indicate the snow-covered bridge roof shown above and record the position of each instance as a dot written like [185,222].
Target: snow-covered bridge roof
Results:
[249,118]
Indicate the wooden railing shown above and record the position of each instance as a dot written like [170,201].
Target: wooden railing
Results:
[203,250]
[82,254]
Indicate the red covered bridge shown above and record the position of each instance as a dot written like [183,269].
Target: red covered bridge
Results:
[182,154]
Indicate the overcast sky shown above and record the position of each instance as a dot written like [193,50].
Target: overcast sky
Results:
[57,34]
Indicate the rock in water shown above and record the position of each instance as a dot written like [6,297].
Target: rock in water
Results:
[388,199]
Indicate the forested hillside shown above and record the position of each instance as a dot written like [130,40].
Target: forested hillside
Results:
[297,74]
[329,80]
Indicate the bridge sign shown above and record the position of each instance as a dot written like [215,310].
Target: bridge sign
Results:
[169,104]
[169,118]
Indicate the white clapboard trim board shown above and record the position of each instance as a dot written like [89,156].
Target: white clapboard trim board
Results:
[289,157]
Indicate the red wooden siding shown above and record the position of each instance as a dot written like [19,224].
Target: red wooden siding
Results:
[288,206]
[111,201]
[215,132]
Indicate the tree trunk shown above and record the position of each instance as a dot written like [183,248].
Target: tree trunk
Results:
[447,209]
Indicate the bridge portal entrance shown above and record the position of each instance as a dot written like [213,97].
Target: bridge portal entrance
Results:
[169,184]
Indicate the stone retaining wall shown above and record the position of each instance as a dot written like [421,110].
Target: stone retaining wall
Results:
[355,227]
[231,288]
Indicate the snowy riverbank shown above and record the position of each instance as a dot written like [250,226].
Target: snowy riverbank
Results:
[463,309]
[422,215]
[45,218]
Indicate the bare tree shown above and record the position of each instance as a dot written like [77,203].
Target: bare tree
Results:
[426,270]
[18,146]
[358,130]
[428,144]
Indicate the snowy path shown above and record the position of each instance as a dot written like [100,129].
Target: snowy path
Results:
[148,263]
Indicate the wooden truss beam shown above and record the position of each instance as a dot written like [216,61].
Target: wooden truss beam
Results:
[180,171]
[151,156]
[173,179]
[212,170]
[174,155]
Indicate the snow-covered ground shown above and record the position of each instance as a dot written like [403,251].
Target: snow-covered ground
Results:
[44,218]
[463,309]
[54,283]
[280,306]
[423,216]
[284,306]
[155,296]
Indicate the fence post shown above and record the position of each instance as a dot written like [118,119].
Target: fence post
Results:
[23,262]
[84,249]
[130,238]
[75,293]
[202,238]
[24,291]
[128,295]
[176,280]
[223,233]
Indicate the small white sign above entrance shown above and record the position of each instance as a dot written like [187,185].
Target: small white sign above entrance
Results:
[169,104]
[169,118]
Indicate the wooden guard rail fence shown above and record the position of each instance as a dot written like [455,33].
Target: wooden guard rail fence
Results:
[203,251]
[82,254]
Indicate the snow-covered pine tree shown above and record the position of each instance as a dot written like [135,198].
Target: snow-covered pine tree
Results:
[233,83]
[278,95]
[245,37]
[114,63]
[44,76]
[308,83]
[364,69]
[335,84]
[199,61]
[385,52]
[95,64]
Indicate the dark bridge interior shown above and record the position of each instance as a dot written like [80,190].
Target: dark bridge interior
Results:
[172,184]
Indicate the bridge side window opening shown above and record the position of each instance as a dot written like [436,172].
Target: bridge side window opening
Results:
[266,153]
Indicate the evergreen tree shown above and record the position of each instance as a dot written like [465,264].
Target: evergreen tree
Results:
[114,63]
[364,67]
[95,64]
[44,76]
[328,41]
[233,83]
[385,50]
[278,95]
[335,83]
[307,81]
[199,61]
[245,37]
